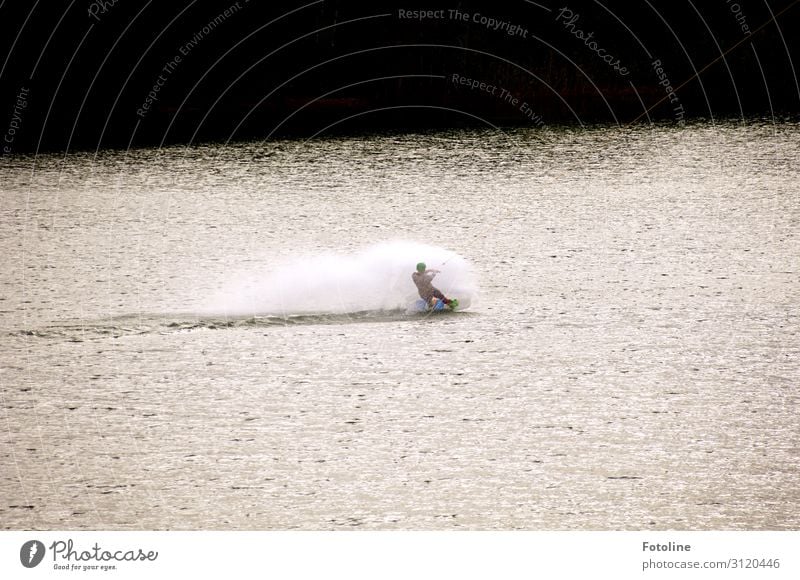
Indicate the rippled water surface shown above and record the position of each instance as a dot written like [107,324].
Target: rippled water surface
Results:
[630,362]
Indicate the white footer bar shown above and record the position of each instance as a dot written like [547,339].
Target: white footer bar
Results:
[401,555]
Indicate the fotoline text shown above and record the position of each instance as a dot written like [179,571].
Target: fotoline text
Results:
[668,547]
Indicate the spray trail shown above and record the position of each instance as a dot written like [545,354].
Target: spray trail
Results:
[373,279]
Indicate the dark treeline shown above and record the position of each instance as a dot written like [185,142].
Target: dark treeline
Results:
[84,75]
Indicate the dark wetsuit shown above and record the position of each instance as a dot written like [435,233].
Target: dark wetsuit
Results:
[425,287]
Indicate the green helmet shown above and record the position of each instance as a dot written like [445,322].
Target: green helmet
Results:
[421,267]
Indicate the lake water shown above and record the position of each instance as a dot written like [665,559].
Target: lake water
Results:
[214,337]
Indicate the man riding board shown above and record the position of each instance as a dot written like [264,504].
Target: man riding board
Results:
[423,279]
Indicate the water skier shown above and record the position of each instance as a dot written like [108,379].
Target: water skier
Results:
[423,280]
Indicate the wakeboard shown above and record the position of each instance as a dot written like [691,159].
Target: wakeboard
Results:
[434,306]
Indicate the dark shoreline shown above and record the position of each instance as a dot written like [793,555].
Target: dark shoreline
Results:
[389,131]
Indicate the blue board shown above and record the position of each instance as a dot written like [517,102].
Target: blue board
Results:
[421,306]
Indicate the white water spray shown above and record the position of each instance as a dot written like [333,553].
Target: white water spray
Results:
[373,279]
